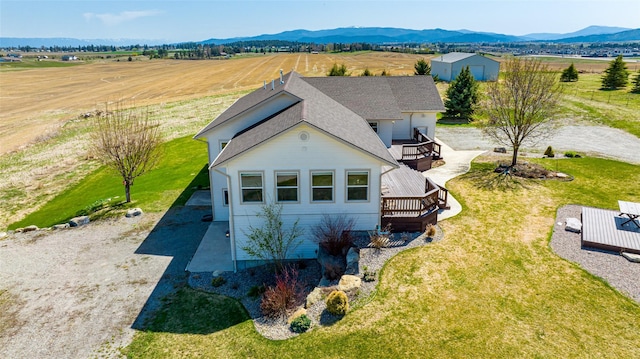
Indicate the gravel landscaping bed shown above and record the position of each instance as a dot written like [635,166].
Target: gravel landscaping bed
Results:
[612,267]
[238,285]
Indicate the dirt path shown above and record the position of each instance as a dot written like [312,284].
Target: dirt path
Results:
[600,141]
[78,293]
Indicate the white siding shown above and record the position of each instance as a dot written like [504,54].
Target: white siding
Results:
[403,129]
[385,131]
[442,69]
[482,68]
[319,152]
[425,119]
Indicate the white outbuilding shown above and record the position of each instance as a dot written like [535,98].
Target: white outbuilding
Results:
[448,66]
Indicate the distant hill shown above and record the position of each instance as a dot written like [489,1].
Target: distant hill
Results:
[372,35]
[630,35]
[590,30]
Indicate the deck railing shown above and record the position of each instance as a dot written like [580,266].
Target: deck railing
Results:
[443,193]
[424,140]
[410,206]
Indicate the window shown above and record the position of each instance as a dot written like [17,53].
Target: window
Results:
[357,185]
[374,126]
[287,186]
[223,144]
[322,186]
[251,187]
[225,197]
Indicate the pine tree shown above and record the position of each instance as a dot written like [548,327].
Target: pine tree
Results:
[338,70]
[636,83]
[422,68]
[462,96]
[366,72]
[569,74]
[616,75]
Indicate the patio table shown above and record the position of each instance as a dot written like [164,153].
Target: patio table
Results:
[630,210]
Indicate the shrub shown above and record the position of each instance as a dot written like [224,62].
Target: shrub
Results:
[218,281]
[284,296]
[333,233]
[333,271]
[368,276]
[301,324]
[549,152]
[256,291]
[378,241]
[337,302]
[431,231]
[571,154]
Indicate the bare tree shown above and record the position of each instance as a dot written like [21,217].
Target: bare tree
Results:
[128,141]
[522,105]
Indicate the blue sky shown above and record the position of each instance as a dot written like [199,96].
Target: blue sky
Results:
[191,20]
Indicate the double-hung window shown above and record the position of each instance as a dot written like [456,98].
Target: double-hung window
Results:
[251,186]
[287,186]
[321,186]
[357,185]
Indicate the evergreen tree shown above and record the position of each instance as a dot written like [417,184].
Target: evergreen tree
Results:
[422,68]
[366,72]
[462,96]
[338,70]
[636,83]
[385,73]
[569,74]
[616,75]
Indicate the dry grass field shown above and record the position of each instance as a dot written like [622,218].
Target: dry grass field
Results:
[35,102]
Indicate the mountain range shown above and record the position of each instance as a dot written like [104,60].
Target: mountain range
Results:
[374,35]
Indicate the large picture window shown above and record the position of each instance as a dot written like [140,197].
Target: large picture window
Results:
[322,186]
[251,187]
[357,185]
[287,186]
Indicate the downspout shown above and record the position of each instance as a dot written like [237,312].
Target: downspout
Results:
[411,125]
[209,161]
[380,205]
[232,236]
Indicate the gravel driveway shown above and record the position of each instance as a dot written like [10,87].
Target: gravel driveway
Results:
[600,141]
[78,292]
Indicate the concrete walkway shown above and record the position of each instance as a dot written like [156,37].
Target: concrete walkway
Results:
[456,163]
[214,252]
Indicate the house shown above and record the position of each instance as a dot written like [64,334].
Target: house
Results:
[448,66]
[332,145]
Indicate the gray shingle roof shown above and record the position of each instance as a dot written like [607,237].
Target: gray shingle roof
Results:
[317,110]
[383,97]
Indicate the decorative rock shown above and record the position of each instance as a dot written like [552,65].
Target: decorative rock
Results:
[133,212]
[79,221]
[3,234]
[296,314]
[314,297]
[573,225]
[631,257]
[348,282]
[61,226]
[562,175]
[353,257]
[19,230]
[30,228]
[335,264]
[500,150]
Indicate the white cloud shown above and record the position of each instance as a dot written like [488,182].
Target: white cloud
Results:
[115,19]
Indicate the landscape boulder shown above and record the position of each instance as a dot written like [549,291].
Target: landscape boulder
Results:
[353,257]
[349,282]
[3,234]
[30,228]
[500,150]
[133,212]
[631,257]
[314,297]
[573,225]
[79,221]
[331,266]
[61,226]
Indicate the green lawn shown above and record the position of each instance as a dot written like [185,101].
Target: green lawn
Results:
[31,64]
[182,167]
[491,289]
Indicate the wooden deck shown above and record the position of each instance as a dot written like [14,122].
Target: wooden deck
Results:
[602,229]
[403,181]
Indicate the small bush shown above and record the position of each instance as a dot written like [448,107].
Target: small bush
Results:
[284,296]
[337,302]
[218,281]
[333,233]
[301,324]
[378,241]
[431,231]
[367,275]
[549,152]
[571,154]
[256,291]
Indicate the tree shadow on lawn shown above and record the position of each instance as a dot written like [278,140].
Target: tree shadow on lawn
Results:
[177,235]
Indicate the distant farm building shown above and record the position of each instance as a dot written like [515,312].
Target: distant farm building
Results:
[447,67]
[69,58]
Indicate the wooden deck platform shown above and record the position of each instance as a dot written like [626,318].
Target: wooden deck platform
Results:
[602,229]
[403,181]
